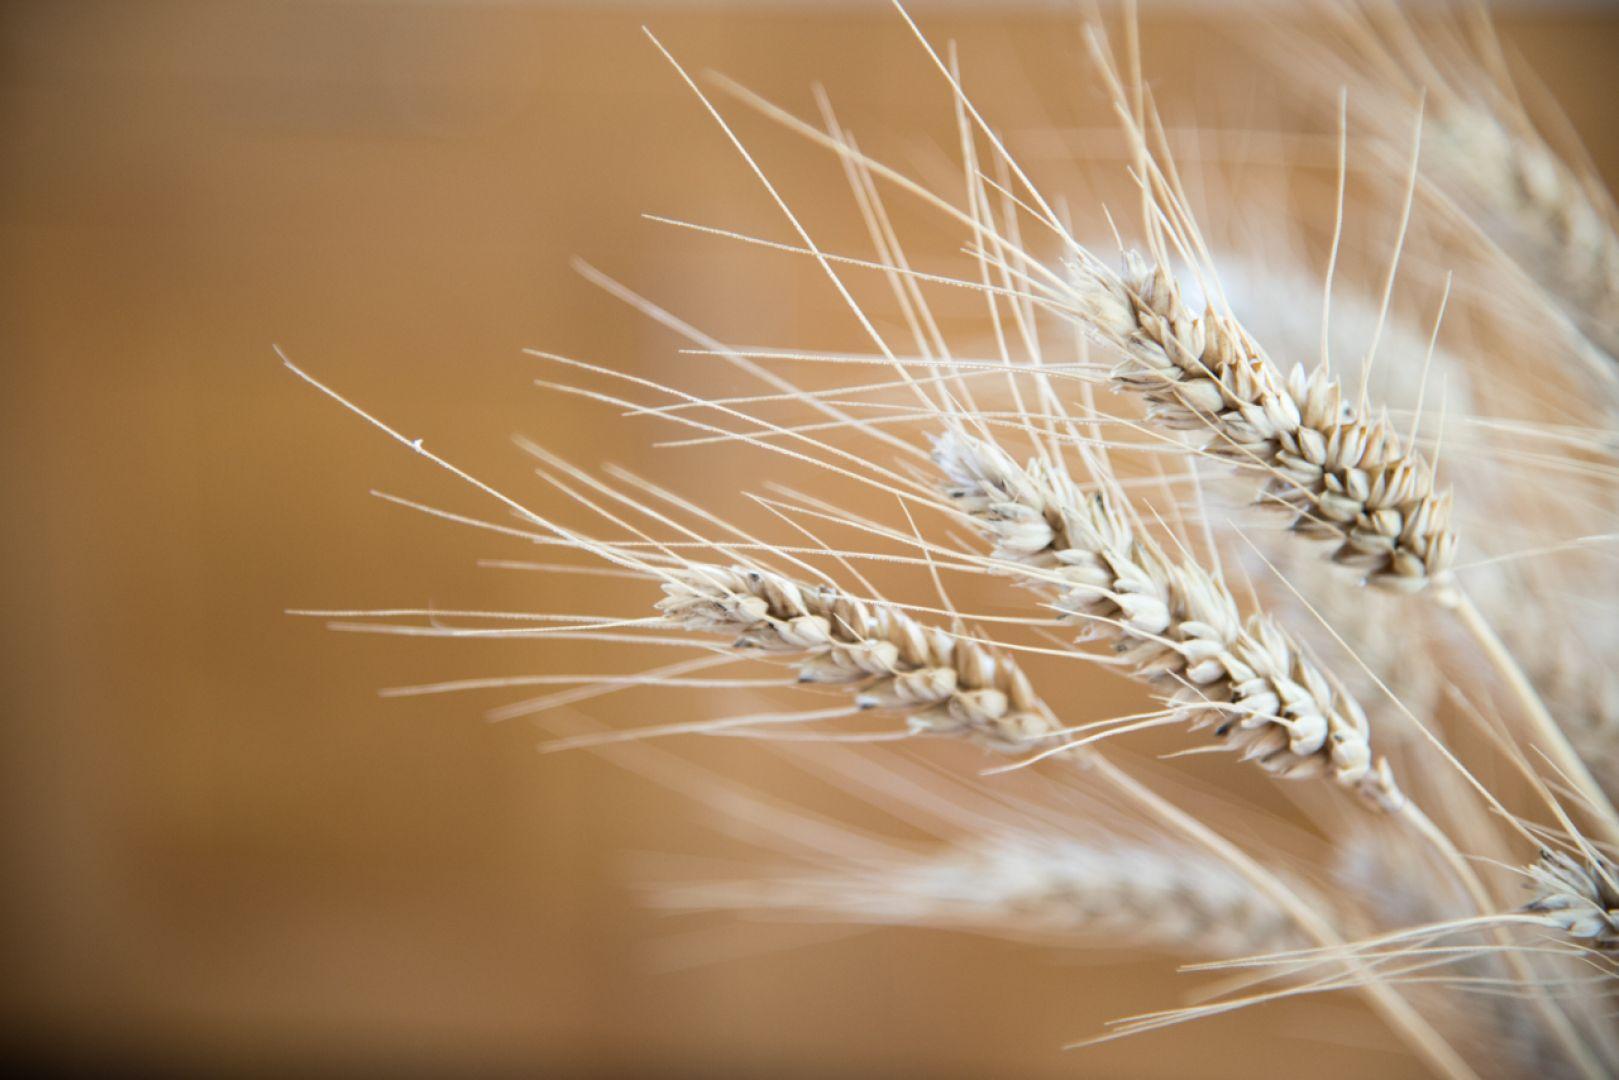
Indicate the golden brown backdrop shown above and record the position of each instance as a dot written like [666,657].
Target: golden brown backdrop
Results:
[223,852]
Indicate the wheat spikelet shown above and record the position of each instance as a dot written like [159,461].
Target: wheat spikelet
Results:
[1345,477]
[1176,624]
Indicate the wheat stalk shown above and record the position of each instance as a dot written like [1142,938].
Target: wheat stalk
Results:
[892,661]
[977,693]
[1175,621]
[1347,477]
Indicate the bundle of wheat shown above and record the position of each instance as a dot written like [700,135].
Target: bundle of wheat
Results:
[1099,485]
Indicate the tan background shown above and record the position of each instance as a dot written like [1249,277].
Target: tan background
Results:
[222,851]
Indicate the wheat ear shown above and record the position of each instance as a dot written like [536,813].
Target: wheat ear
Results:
[1176,624]
[1578,897]
[1538,210]
[1344,477]
[1027,886]
[941,683]
[1371,495]
[1488,156]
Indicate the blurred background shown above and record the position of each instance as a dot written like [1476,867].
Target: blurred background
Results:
[224,853]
